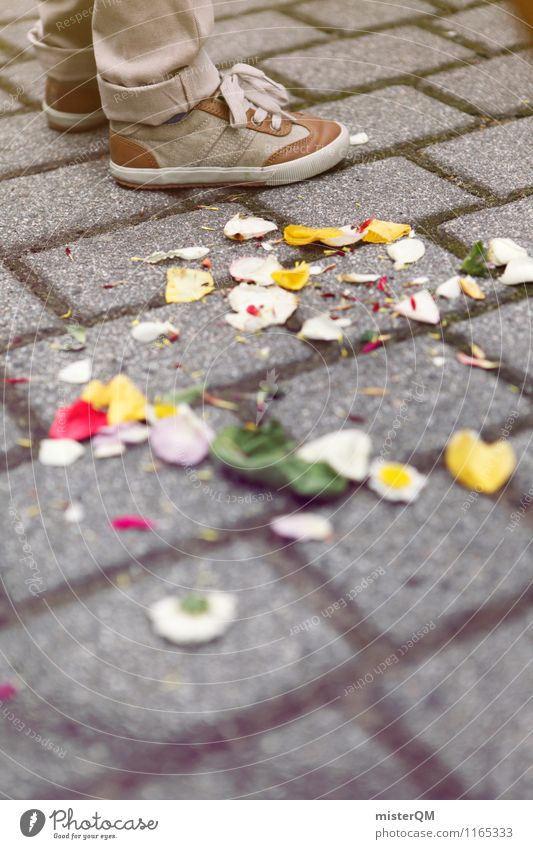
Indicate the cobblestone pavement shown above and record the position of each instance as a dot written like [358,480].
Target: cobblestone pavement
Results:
[389,663]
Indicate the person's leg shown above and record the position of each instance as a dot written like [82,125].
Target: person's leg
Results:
[151,59]
[62,40]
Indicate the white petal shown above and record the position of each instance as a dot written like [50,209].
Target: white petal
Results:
[450,288]
[243,227]
[359,138]
[354,277]
[60,452]
[194,252]
[107,448]
[302,526]
[255,269]
[346,451]
[323,328]
[350,235]
[74,513]
[420,307]
[518,271]
[502,251]
[149,331]
[275,305]
[406,493]
[173,623]
[78,372]
[406,251]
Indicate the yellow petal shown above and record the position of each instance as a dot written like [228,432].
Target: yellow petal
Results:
[163,411]
[297,234]
[385,232]
[96,393]
[292,278]
[471,288]
[478,465]
[126,402]
[185,285]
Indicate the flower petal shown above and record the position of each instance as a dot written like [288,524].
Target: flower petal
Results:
[292,279]
[149,331]
[395,481]
[79,371]
[128,522]
[257,306]
[253,269]
[346,451]
[185,285]
[79,421]
[450,288]
[60,452]
[420,307]
[478,465]
[518,271]
[174,622]
[406,251]
[502,251]
[183,439]
[242,227]
[298,234]
[322,328]
[302,526]
[383,232]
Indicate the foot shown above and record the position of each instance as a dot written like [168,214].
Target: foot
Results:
[73,107]
[241,134]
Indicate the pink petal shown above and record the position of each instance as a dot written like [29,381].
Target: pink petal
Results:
[182,439]
[124,523]
[7,692]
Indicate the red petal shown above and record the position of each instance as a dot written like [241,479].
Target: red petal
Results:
[252,310]
[365,225]
[79,421]
[371,346]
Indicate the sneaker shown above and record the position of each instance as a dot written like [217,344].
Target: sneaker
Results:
[73,107]
[241,134]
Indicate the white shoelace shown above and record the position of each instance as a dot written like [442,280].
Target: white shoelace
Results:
[244,87]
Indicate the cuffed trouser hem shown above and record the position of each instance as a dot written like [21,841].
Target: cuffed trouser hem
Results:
[155,103]
[62,63]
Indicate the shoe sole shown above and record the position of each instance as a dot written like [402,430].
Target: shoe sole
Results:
[73,122]
[269,175]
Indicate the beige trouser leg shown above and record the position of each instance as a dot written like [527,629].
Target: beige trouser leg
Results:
[148,53]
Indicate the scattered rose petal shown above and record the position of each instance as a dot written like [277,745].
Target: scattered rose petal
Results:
[450,288]
[292,279]
[358,138]
[354,277]
[185,285]
[242,227]
[79,421]
[122,398]
[502,251]
[348,235]
[74,513]
[395,481]
[476,362]
[383,232]
[7,692]
[183,439]
[105,447]
[518,271]
[420,307]
[272,306]
[195,252]
[406,251]
[149,331]
[60,452]
[79,371]
[323,328]
[193,619]
[298,235]
[254,269]
[129,522]
[302,526]
[471,288]
[346,451]
[477,465]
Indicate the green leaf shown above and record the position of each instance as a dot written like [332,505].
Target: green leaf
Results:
[476,261]
[267,456]
[77,332]
[185,396]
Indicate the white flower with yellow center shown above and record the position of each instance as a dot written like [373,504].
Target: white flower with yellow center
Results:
[395,481]
[193,618]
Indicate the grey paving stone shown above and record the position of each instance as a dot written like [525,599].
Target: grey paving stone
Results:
[10,432]
[506,335]
[472,156]
[27,79]
[317,756]
[15,37]
[239,39]
[208,352]
[43,147]
[84,196]
[392,116]
[343,67]
[398,568]
[9,103]
[513,220]
[21,314]
[472,703]
[106,258]
[492,25]
[393,188]
[493,87]
[414,415]
[344,16]
[85,657]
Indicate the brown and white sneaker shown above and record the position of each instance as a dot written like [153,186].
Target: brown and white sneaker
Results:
[240,135]
[73,107]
